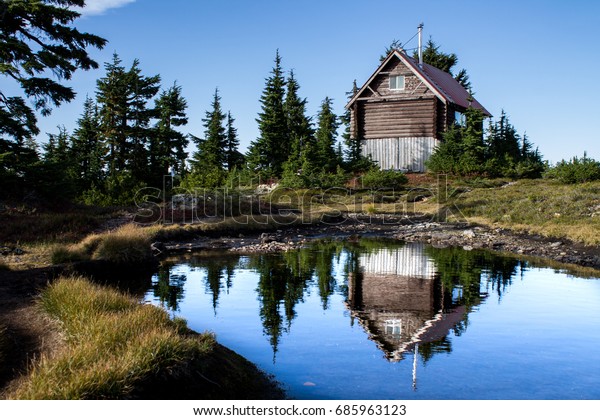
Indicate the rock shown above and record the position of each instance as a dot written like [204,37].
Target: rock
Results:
[468,234]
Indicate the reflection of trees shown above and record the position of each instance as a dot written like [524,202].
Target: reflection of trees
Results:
[464,270]
[278,286]
[284,278]
[168,288]
[463,279]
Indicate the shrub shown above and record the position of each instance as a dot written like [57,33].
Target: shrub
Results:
[380,179]
[575,171]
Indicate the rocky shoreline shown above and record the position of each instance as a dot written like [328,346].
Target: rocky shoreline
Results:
[410,229]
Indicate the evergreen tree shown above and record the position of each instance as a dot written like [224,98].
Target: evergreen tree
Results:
[111,96]
[394,45]
[443,61]
[270,150]
[167,145]
[355,161]
[298,124]
[141,89]
[36,40]
[88,149]
[462,152]
[503,142]
[212,149]
[233,156]
[326,134]
[125,117]
[209,160]
[56,150]
[58,173]
[39,49]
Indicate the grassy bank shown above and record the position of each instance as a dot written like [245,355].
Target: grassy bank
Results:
[115,347]
[542,207]
[131,243]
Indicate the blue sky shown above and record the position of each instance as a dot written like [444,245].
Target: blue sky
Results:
[537,60]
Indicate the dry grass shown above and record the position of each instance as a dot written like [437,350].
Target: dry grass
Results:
[127,244]
[113,344]
[539,206]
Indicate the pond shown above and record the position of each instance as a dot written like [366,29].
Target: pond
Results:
[375,319]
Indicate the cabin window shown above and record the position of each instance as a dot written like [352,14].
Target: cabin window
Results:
[397,82]
[460,119]
[393,327]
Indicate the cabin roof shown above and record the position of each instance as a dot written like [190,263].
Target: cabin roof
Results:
[442,84]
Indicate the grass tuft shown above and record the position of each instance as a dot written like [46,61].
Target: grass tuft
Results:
[113,344]
[128,244]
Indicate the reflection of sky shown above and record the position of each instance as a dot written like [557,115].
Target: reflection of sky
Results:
[539,341]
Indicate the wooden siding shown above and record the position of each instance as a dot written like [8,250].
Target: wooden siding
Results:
[409,261]
[407,154]
[414,88]
[411,118]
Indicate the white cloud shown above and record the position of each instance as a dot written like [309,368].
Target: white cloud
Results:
[98,7]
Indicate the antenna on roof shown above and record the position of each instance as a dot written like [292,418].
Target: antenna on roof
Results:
[420,45]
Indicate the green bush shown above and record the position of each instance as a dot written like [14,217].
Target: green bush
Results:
[575,171]
[322,179]
[380,179]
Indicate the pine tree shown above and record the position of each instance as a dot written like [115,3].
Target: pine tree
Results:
[167,145]
[141,90]
[443,61]
[88,148]
[299,126]
[38,40]
[270,150]
[125,117]
[58,166]
[355,161]
[394,45]
[233,158]
[40,49]
[212,149]
[111,96]
[327,125]
[56,150]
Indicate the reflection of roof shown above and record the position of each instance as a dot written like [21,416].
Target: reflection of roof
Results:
[433,330]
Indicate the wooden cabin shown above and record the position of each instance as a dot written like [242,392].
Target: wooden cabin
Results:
[401,112]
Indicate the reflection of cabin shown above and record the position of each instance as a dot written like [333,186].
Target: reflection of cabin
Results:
[398,299]
[401,112]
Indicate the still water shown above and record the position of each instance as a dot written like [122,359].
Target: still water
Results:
[388,320]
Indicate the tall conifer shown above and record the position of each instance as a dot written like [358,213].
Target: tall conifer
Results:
[88,148]
[167,145]
[270,150]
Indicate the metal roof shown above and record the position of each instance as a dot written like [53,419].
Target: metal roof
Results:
[450,87]
[441,83]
